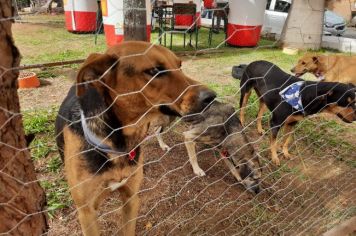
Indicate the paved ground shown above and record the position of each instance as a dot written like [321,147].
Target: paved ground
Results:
[350,33]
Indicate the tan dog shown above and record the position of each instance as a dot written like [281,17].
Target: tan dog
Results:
[105,117]
[331,68]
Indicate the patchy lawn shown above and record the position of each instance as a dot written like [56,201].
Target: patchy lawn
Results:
[308,194]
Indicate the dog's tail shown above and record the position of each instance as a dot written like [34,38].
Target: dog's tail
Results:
[246,84]
[237,71]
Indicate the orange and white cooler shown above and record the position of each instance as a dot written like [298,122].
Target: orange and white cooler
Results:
[245,22]
[80,15]
[187,20]
[148,19]
[113,20]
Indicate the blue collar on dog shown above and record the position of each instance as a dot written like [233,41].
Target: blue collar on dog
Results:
[96,142]
[291,94]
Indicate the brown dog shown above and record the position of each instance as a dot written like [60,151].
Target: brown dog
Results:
[332,68]
[105,117]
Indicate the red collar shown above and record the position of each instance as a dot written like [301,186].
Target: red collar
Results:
[224,153]
[132,155]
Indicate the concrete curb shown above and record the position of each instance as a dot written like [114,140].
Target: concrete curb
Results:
[339,43]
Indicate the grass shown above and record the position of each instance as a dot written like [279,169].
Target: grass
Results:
[39,121]
[329,136]
[44,152]
[57,195]
[51,42]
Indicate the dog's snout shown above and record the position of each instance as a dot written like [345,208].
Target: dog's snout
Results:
[254,187]
[292,70]
[206,97]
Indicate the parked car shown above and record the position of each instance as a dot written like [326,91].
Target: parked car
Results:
[277,11]
[333,23]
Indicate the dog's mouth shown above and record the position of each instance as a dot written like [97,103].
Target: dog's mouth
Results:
[252,186]
[190,117]
[196,116]
[343,118]
[319,75]
[168,111]
[299,74]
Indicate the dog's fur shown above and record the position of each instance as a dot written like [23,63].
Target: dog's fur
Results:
[119,93]
[219,127]
[329,68]
[268,80]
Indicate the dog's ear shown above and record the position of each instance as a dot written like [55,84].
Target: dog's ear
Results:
[93,71]
[352,87]
[315,59]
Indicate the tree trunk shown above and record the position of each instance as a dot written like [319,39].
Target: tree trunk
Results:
[304,25]
[135,20]
[22,200]
[59,3]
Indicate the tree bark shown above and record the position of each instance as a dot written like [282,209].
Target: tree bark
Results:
[304,25]
[135,20]
[22,200]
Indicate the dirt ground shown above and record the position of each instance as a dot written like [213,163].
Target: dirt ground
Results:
[51,93]
[308,200]
[307,195]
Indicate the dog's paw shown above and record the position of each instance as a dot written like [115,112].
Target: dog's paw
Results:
[287,155]
[199,172]
[276,161]
[165,147]
[261,131]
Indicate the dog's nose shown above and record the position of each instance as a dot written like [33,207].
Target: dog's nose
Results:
[206,97]
[292,70]
[255,188]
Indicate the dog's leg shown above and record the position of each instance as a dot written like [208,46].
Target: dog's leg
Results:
[232,168]
[288,128]
[190,145]
[84,197]
[261,111]
[273,141]
[83,186]
[246,96]
[161,143]
[274,148]
[131,201]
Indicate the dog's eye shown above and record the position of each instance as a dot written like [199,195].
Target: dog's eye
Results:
[303,63]
[155,71]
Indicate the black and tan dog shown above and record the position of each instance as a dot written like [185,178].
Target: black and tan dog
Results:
[219,127]
[306,98]
[105,117]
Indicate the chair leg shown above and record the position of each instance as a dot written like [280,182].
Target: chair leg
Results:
[171,40]
[190,39]
[160,31]
[225,30]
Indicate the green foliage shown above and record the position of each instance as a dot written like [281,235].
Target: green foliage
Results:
[39,121]
[54,164]
[57,195]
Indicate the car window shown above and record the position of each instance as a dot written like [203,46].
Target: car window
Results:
[282,6]
[268,4]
